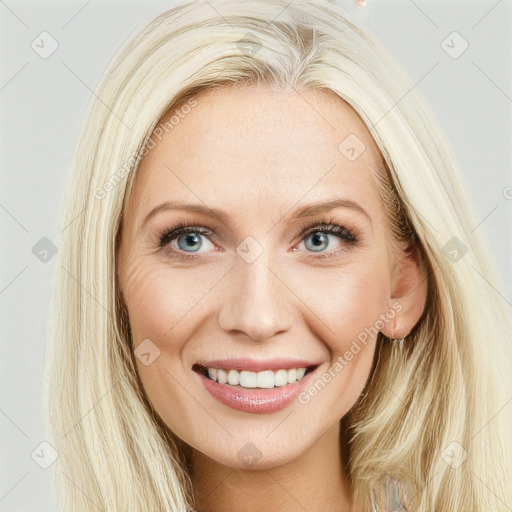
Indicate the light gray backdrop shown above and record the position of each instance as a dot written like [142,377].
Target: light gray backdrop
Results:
[43,93]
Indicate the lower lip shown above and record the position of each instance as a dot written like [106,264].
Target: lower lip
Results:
[255,400]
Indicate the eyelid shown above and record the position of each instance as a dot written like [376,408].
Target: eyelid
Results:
[181,228]
[326,225]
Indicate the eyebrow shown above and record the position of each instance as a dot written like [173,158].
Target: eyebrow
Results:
[305,211]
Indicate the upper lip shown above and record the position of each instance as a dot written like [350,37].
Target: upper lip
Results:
[257,365]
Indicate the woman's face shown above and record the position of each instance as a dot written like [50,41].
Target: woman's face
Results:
[259,284]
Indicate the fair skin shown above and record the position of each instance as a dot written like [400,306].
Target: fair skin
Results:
[261,155]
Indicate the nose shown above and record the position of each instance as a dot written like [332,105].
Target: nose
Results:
[258,302]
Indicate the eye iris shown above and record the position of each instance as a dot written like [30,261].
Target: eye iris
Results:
[192,238]
[319,238]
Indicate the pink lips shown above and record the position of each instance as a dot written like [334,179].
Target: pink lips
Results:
[255,400]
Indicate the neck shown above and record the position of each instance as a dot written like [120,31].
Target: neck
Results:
[316,480]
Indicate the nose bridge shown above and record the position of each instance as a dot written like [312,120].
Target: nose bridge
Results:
[258,302]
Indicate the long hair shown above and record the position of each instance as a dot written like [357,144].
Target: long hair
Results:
[433,415]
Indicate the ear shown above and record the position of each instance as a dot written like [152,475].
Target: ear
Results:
[408,288]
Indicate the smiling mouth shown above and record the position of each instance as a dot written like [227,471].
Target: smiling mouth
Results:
[245,379]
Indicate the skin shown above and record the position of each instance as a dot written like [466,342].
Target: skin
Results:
[259,154]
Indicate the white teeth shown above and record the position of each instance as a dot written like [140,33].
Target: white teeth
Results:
[281,378]
[265,379]
[222,376]
[233,377]
[248,379]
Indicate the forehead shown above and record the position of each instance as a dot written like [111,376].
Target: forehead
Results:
[254,146]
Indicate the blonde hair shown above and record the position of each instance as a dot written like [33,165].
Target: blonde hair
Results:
[440,396]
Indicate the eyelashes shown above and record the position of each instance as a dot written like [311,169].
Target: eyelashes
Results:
[328,226]
[324,226]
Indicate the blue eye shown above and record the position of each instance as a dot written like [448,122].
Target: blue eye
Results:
[190,238]
[320,238]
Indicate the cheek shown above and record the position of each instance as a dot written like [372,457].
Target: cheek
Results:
[349,307]
[348,301]
[159,305]
[164,306]
[147,303]
[158,301]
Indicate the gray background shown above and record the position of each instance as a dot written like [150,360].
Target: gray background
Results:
[43,100]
